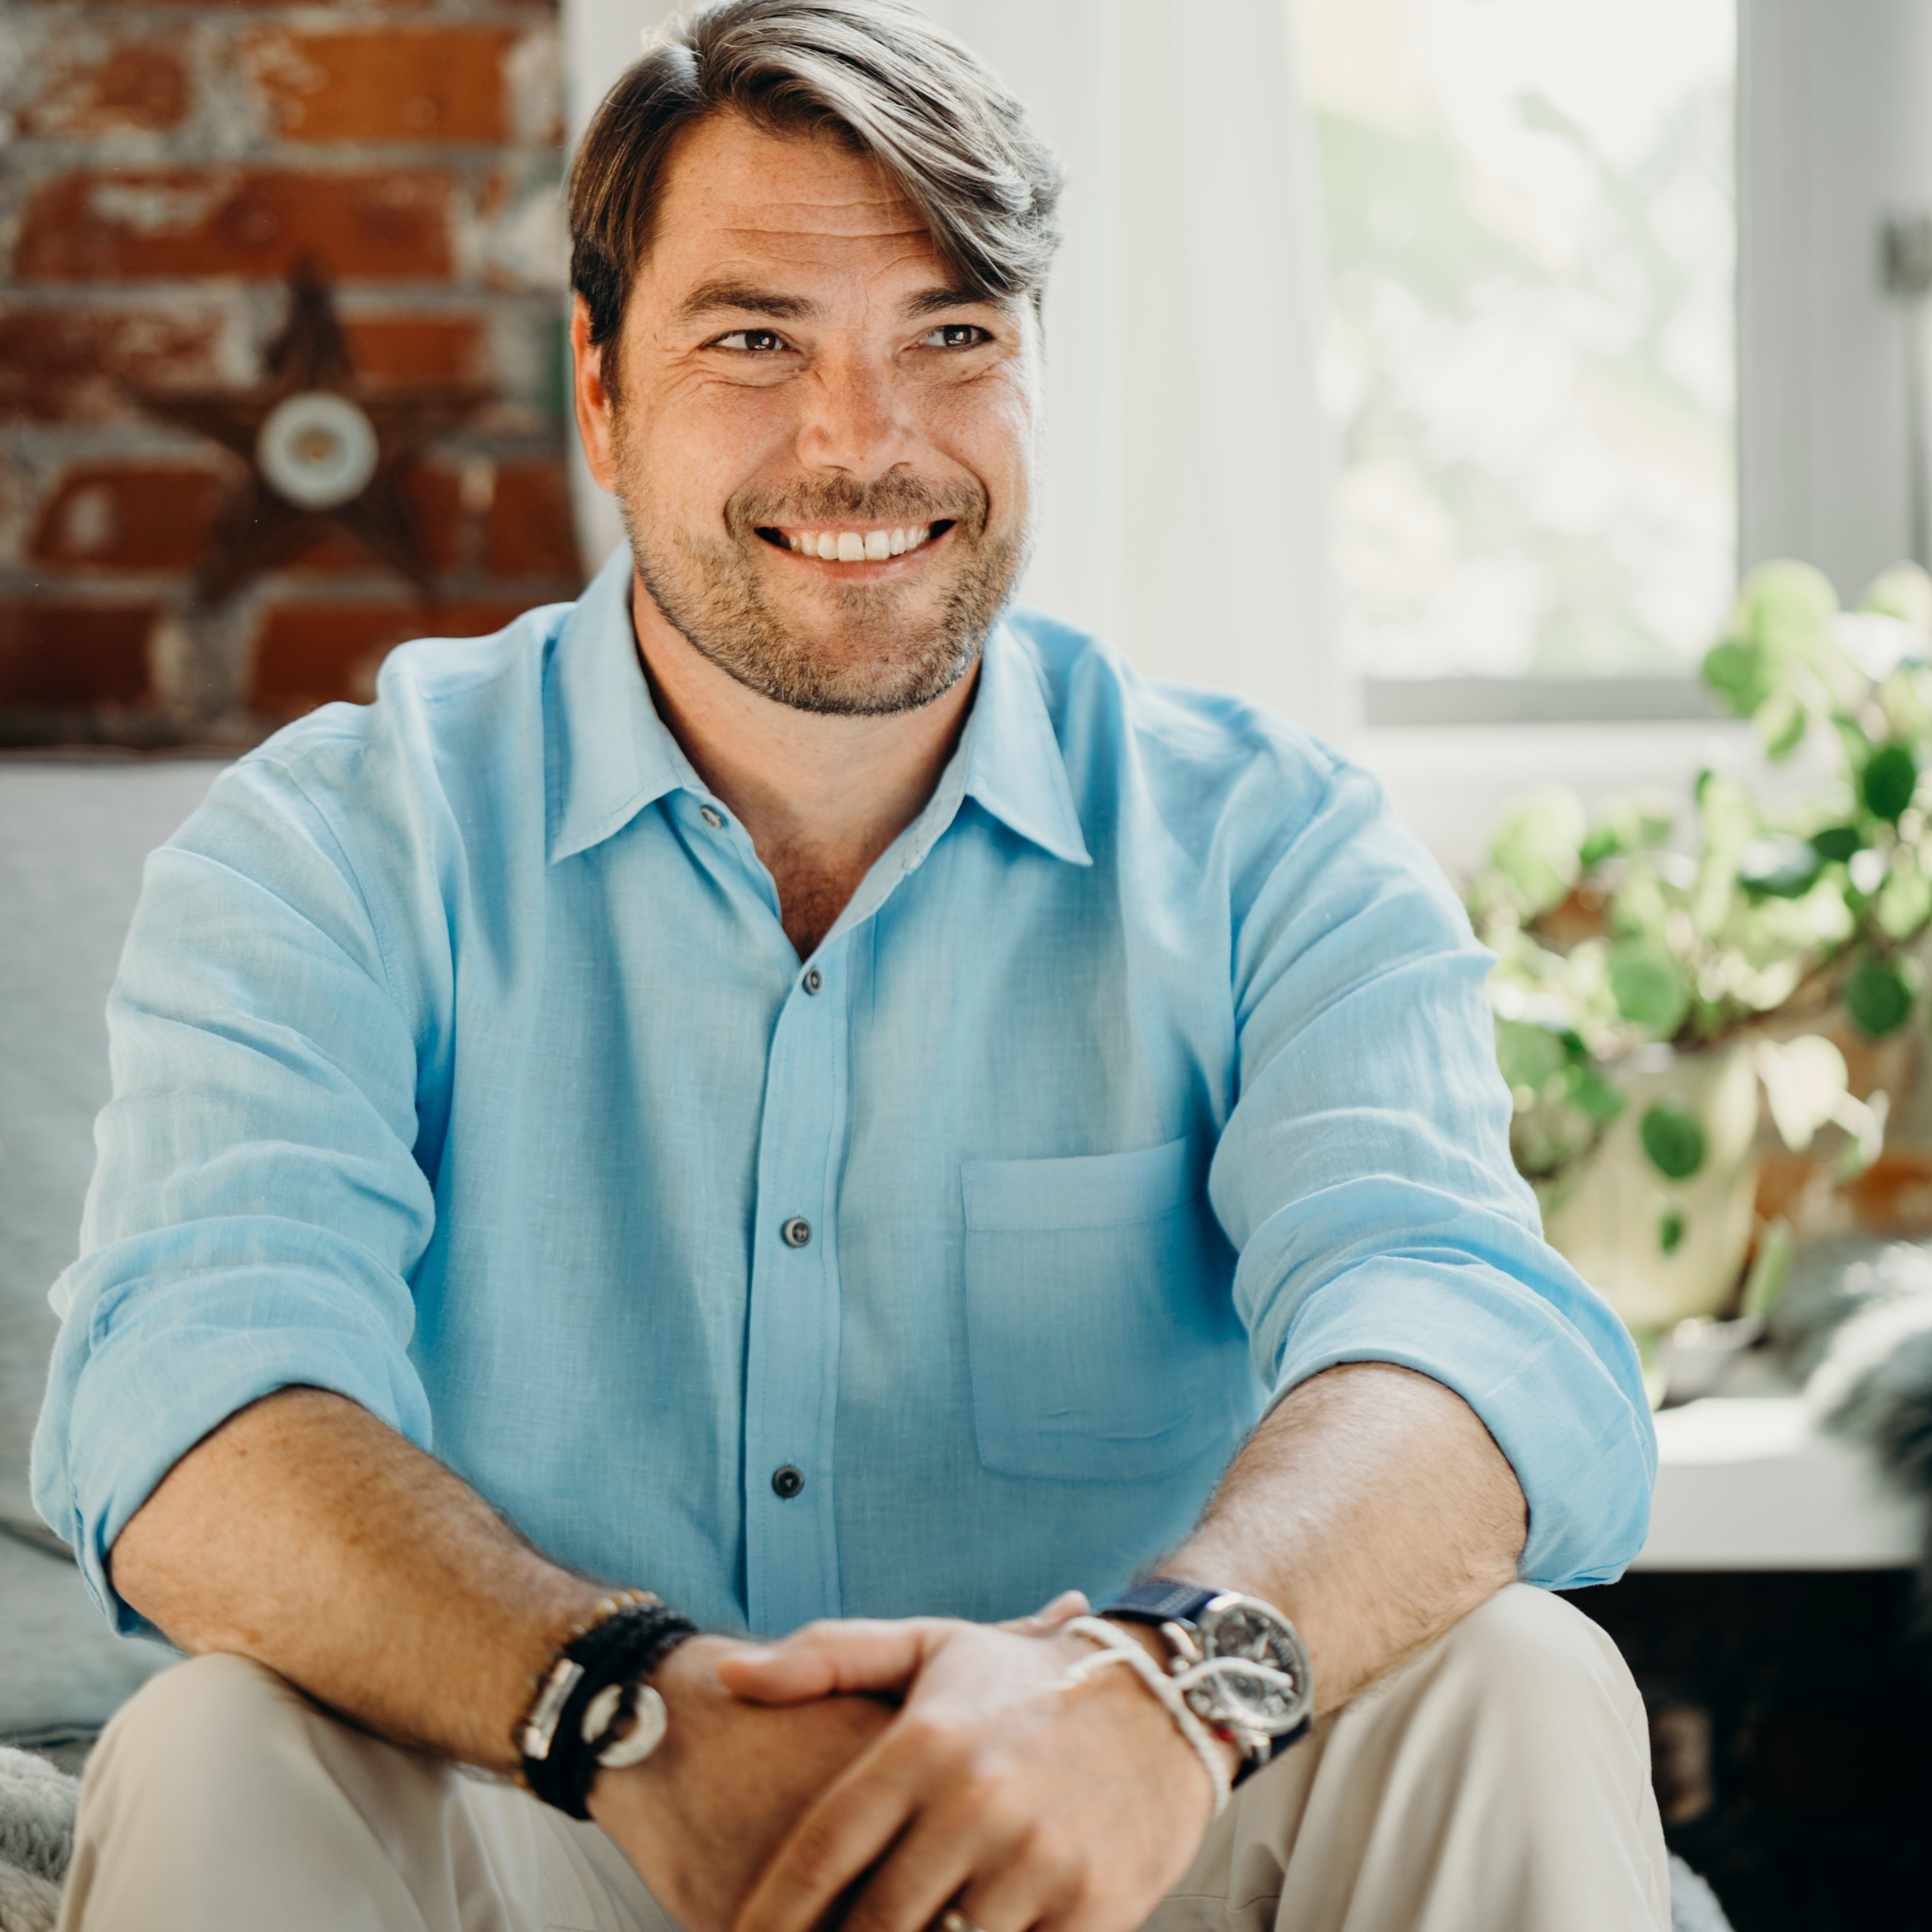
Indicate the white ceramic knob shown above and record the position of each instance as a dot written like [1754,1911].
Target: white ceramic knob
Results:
[317,449]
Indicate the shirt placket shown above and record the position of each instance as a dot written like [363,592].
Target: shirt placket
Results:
[792,1345]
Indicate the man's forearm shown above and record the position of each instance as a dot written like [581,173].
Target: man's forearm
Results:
[308,1535]
[1374,1509]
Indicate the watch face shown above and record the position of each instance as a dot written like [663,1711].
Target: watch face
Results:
[1239,1627]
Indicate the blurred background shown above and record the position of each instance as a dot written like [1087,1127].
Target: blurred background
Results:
[1433,371]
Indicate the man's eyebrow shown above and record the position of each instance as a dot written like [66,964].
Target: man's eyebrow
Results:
[727,296]
[930,302]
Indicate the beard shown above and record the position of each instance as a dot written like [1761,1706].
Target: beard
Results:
[867,655]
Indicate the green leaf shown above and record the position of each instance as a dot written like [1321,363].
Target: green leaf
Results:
[1670,1226]
[1673,1138]
[1878,995]
[1779,724]
[1838,843]
[1904,591]
[1787,607]
[1529,1056]
[1535,846]
[1904,901]
[1595,1095]
[1741,673]
[1770,1268]
[1779,866]
[1648,986]
[1632,823]
[1890,778]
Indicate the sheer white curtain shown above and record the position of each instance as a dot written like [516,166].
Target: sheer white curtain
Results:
[1184,509]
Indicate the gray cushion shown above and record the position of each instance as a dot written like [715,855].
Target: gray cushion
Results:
[72,838]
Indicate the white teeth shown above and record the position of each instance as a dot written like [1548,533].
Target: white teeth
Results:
[850,547]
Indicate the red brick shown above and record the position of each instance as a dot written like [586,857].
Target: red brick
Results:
[310,654]
[385,84]
[416,349]
[529,531]
[65,365]
[136,223]
[61,656]
[140,84]
[165,6]
[148,517]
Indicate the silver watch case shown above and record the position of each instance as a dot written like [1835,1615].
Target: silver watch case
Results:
[1234,1626]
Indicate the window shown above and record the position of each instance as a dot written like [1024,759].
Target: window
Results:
[1531,219]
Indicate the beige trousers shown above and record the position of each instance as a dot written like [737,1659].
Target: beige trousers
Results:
[1499,1783]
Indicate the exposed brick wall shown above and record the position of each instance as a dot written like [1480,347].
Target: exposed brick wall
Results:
[165,163]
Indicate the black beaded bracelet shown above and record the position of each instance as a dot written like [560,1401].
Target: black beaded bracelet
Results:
[631,1637]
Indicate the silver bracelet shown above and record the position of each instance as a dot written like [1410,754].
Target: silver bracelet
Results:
[1117,1647]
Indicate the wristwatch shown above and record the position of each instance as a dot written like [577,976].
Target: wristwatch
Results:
[1259,1716]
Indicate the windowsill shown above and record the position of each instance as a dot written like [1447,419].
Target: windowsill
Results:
[1449,782]
[1400,702]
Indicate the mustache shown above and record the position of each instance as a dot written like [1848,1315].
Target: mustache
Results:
[837,499]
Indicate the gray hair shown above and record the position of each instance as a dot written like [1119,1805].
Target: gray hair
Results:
[878,76]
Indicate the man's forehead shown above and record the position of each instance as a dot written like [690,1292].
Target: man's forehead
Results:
[740,186]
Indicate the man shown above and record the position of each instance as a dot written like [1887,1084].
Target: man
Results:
[843,1112]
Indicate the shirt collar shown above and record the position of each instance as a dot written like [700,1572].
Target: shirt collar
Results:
[611,754]
[1014,767]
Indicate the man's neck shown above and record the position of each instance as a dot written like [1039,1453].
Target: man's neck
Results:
[821,797]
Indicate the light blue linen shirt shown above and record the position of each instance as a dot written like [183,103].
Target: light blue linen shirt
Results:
[462,1066]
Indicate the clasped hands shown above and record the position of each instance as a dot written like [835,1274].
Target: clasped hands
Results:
[873,1775]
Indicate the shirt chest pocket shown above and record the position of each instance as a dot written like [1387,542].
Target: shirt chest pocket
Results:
[1102,1341]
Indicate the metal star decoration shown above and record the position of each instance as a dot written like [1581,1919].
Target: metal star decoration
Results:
[323,449]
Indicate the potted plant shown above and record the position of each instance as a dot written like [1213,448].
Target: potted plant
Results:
[1648,989]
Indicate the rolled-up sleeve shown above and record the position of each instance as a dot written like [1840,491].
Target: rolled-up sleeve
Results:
[257,1206]
[1364,1176]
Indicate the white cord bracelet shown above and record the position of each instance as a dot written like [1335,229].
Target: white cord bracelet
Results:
[1117,1647]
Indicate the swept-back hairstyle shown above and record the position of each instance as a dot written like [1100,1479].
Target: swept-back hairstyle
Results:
[876,75]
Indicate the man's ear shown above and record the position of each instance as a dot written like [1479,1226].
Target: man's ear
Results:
[591,399]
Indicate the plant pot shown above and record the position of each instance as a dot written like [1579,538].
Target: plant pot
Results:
[1613,1215]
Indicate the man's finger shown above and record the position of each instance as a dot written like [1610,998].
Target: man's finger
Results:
[855,1654]
[925,1871]
[835,1840]
[1064,1609]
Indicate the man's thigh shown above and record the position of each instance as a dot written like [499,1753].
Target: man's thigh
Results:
[1500,1780]
[220,1797]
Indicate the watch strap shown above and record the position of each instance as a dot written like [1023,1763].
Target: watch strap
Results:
[1160,1600]
[1167,1600]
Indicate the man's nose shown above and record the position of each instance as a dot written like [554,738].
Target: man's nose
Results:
[853,422]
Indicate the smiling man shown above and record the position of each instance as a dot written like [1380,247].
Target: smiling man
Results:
[688,1190]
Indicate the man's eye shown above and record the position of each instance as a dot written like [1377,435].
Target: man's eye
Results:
[752,341]
[956,335]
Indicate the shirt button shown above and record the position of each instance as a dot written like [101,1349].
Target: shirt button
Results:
[711,818]
[798,1231]
[814,979]
[787,1481]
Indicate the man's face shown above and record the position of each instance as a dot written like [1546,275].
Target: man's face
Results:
[823,444]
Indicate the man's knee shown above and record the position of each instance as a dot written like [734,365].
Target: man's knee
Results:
[1526,1645]
[217,1713]
[1532,1675]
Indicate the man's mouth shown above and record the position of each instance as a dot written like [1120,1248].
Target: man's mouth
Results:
[836,545]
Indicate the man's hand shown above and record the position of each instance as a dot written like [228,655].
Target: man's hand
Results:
[1027,1803]
[706,1813]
